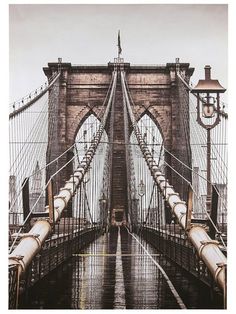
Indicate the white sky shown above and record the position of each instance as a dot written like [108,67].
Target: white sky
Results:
[87,34]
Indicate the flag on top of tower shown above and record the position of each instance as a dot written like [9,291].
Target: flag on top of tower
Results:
[119,46]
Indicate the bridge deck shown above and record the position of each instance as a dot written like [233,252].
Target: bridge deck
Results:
[115,272]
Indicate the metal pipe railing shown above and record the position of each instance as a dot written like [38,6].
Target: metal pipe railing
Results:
[208,249]
[31,242]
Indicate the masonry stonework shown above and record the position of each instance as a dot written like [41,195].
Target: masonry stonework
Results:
[154,89]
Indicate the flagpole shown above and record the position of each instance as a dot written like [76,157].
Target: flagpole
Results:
[119,46]
[118,49]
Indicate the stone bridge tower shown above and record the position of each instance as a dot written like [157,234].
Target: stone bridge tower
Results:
[155,91]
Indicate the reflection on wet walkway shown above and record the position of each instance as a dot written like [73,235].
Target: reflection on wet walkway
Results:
[115,272]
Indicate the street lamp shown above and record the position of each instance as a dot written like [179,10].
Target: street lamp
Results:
[134,207]
[208,92]
[103,205]
[141,192]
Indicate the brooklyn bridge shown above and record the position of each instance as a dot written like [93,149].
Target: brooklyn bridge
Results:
[118,189]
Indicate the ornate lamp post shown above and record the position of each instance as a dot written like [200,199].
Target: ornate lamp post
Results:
[141,192]
[208,116]
[103,205]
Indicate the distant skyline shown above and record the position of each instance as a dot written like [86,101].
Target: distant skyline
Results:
[87,34]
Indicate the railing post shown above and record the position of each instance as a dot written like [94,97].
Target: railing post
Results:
[25,202]
[14,283]
[189,209]
[225,288]
[51,204]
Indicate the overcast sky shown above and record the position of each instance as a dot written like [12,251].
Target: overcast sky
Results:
[87,34]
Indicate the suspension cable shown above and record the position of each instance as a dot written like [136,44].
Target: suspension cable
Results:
[185,165]
[30,103]
[210,254]
[23,254]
